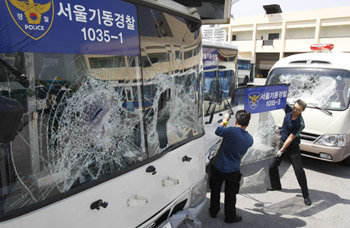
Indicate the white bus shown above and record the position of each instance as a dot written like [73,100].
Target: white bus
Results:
[322,80]
[222,95]
[245,70]
[220,82]
[121,141]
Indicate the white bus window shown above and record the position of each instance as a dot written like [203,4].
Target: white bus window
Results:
[243,64]
[219,77]
[174,88]
[211,86]
[225,82]
[82,133]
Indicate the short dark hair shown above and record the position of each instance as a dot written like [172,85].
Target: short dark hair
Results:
[243,117]
[301,103]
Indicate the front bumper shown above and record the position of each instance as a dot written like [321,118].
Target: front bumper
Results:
[186,218]
[312,150]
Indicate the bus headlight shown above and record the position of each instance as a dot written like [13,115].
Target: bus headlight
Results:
[331,140]
[199,192]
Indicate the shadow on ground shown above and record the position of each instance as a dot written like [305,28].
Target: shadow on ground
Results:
[250,219]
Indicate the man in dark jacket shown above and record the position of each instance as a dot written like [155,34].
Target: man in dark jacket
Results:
[292,126]
[226,165]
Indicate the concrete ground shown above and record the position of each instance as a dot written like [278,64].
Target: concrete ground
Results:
[329,187]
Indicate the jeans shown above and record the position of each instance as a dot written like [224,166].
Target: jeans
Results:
[293,152]
[231,189]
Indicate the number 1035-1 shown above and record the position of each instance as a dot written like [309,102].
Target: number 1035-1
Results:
[100,35]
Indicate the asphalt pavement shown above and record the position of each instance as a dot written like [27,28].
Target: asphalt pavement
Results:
[329,188]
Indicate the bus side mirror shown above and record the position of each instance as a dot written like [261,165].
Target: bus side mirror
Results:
[11,112]
[211,11]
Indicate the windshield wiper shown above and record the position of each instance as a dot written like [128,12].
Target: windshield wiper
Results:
[211,114]
[19,76]
[327,112]
[228,104]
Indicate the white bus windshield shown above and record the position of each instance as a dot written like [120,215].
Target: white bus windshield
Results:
[219,77]
[323,88]
[243,64]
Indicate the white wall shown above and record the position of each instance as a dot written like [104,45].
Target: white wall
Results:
[301,29]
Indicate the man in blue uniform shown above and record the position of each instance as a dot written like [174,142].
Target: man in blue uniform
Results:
[226,165]
[293,124]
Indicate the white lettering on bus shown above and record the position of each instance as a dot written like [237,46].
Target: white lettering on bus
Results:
[34,27]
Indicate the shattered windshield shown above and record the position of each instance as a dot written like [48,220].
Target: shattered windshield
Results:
[323,88]
[91,117]
[219,78]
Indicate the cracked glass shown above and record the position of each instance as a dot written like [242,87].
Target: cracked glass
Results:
[322,88]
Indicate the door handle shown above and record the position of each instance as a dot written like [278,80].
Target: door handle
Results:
[186,158]
[97,204]
[151,169]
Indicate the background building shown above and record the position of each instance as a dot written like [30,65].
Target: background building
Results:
[274,35]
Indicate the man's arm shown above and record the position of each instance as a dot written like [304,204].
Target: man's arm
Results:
[287,109]
[221,130]
[296,132]
[289,140]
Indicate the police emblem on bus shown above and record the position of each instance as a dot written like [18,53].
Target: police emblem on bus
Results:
[253,99]
[33,18]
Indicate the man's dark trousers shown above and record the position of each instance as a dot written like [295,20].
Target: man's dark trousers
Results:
[293,152]
[231,189]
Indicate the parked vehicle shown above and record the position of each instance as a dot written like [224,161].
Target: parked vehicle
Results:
[245,70]
[322,80]
[222,95]
[220,82]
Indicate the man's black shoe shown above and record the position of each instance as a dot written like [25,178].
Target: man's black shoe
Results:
[307,201]
[236,219]
[274,189]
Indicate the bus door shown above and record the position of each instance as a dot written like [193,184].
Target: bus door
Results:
[252,70]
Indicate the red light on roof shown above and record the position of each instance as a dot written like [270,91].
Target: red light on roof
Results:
[320,47]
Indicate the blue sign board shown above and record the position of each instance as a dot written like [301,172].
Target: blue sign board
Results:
[210,58]
[107,27]
[265,98]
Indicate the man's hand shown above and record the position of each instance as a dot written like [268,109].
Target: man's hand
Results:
[226,119]
[279,153]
